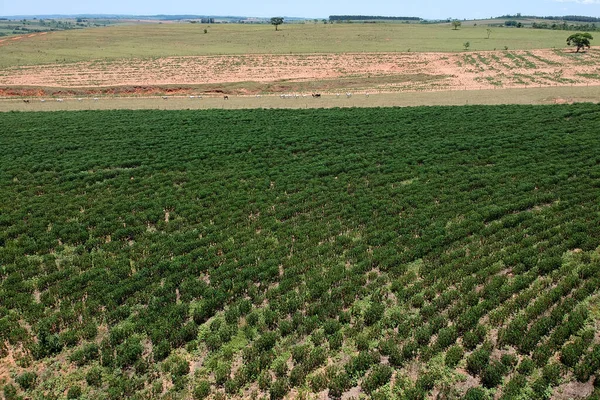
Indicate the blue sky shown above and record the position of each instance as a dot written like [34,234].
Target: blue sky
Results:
[306,8]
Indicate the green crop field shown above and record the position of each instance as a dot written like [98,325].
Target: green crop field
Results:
[180,39]
[389,252]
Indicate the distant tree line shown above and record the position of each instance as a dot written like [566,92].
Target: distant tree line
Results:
[565,27]
[370,18]
[572,18]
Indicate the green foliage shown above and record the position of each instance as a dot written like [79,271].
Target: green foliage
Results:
[74,392]
[27,380]
[276,21]
[392,227]
[279,389]
[318,382]
[492,374]
[379,376]
[478,361]
[201,390]
[572,352]
[10,392]
[129,352]
[94,377]
[453,356]
[360,364]
[476,393]
[222,374]
[579,40]
[374,313]
[526,366]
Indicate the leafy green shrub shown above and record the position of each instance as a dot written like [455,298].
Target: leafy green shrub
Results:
[379,376]
[280,368]
[571,353]
[453,356]
[69,338]
[338,384]
[161,351]
[317,338]
[222,374]
[201,390]
[551,373]
[266,342]
[513,334]
[74,392]
[358,365]
[231,386]
[475,393]
[526,367]
[89,331]
[264,380]
[300,353]
[336,340]
[423,335]
[478,360]
[362,342]
[94,377]
[514,387]
[252,319]
[473,338]
[129,352]
[373,313]
[509,361]
[27,380]
[232,315]
[318,382]
[344,317]
[10,392]
[279,389]
[492,374]
[409,350]
[285,328]
[297,375]
[316,358]
[446,337]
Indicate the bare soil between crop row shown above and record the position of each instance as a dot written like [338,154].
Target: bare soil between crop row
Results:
[261,74]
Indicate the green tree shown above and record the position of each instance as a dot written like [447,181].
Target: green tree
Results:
[276,21]
[579,40]
[456,24]
[489,32]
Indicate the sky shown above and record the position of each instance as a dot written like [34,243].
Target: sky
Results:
[429,9]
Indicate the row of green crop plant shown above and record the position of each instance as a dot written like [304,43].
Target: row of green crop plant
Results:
[369,230]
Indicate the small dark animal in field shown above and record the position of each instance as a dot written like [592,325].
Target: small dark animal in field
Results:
[26,101]
[225,97]
[316,95]
[165,98]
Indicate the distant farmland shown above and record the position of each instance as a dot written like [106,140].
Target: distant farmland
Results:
[393,253]
[184,39]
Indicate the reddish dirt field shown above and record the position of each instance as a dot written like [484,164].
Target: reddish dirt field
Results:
[384,72]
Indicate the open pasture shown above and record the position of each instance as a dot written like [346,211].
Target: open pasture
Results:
[395,253]
[147,41]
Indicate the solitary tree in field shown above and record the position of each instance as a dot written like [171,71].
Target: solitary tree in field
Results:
[456,24]
[467,45]
[276,21]
[579,40]
[489,32]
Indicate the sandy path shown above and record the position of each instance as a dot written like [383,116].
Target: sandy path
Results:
[406,71]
